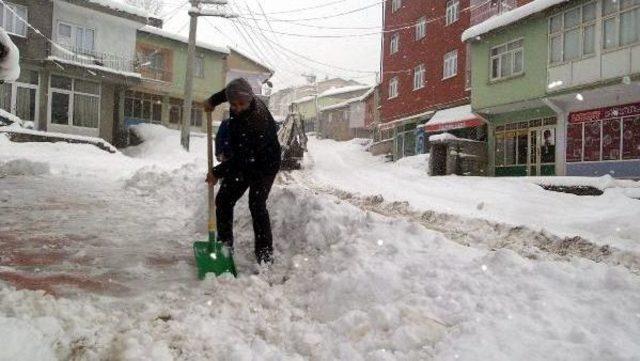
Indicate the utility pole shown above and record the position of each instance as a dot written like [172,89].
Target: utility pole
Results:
[194,12]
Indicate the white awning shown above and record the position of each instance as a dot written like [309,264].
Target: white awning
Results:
[453,118]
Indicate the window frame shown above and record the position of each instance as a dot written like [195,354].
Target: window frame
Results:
[447,57]
[198,71]
[616,16]
[420,70]
[394,43]
[512,57]
[452,12]
[581,27]
[73,40]
[395,5]
[421,28]
[394,85]
[71,106]
[15,19]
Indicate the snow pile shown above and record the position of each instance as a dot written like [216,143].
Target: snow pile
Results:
[610,219]
[442,137]
[18,167]
[343,90]
[10,64]
[604,182]
[509,17]
[417,162]
[13,120]
[163,145]
[347,285]
[121,6]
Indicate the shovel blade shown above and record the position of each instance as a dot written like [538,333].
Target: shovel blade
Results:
[213,257]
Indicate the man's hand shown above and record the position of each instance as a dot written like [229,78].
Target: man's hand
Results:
[208,107]
[211,179]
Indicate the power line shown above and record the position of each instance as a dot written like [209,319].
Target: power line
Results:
[307,8]
[328,16]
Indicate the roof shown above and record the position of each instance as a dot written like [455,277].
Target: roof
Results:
[349,101]
[452,118]
[244,55]
[509,17]
[393,123]
[183,39]
[115,5]
[342,90]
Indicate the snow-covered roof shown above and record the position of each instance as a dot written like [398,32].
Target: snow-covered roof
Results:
[342,90]
[449,115]
[509,17]
[304,99]
[183,39]
[348,101]
[94,67]
[121,6]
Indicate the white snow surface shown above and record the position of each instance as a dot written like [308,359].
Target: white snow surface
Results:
[93,66]
[342,90]
[509,17]
[10,64]
[347,284]
[607,219]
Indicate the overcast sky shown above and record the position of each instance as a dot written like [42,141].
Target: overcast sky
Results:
[352,53]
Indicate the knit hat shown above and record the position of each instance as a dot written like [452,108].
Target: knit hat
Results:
[239,89]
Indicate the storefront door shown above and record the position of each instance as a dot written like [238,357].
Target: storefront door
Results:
[542,151]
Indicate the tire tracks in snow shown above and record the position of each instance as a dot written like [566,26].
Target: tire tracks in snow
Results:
[480,233]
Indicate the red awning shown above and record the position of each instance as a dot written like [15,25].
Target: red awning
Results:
[453,118]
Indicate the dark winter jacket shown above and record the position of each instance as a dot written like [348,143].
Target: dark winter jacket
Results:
[255,149]
[223,143]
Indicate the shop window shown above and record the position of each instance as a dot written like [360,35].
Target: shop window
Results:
[592,141]
[611,139]
[499,149]
[574,142]
[631,138]
[510,148]
[522,147]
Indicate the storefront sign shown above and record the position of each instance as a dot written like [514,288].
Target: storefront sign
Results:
[453,125]
[604,113]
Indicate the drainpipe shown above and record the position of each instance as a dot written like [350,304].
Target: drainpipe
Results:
[561,135]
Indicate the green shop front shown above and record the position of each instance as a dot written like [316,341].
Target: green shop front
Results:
[525,147]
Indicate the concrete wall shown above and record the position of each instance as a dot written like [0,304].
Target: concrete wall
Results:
[113,35]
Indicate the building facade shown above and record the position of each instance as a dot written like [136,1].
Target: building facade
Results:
[159,97]
[424,67]
[76,67]
[560,88]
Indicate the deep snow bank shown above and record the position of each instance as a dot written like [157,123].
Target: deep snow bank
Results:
[346,285]
[24,167]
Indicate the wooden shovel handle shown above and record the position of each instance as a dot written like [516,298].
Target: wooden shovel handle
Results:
[212,203]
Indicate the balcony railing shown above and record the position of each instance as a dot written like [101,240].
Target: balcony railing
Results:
[155,74]
[91,57]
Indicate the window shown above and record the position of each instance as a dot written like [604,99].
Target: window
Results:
[572,34]
[453,11]
[395,43]
[512,144]
[20,98]
[143,107]
[10,18]
[75,102]
[418,77]
[78,38]
[604,140]
[395,5]
[196,116]
[450,68]
[621,23]
[507,60]
[198,69]
[421,28]
[393,88]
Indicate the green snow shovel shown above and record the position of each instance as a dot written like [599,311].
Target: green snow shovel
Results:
[212,256]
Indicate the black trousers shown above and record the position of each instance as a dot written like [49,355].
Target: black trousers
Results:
[232,189]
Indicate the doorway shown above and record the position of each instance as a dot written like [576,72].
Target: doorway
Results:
[542,151]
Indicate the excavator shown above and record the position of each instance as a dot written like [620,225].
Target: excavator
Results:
[293,140]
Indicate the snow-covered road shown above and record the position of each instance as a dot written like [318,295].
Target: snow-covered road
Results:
[111,236]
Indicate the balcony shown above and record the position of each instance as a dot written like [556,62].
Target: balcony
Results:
[94,58]
[149,73]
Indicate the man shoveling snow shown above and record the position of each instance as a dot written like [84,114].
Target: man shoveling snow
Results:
[252,162]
